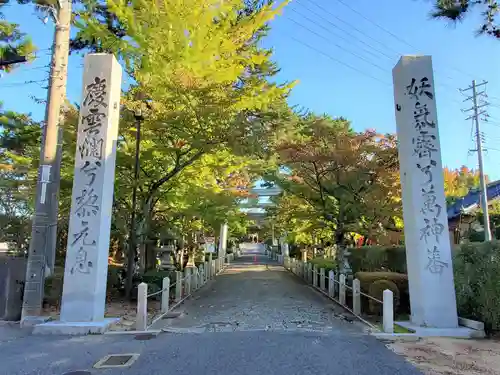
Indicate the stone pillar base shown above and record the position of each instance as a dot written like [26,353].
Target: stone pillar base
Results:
[74,328]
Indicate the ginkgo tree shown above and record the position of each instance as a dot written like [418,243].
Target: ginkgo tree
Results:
[200,69]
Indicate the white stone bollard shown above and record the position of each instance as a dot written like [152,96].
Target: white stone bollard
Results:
[165,294]
[315,276]
[212,269]
[201,277]
[388,311]
[210,266]
[178,286]
[206,271]
[342,289]
[195,278]
[331,284]
[356,297]
[141,323]
[322,279]
[187,278]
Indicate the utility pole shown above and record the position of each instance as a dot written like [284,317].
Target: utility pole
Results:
[475,116]
[41,256]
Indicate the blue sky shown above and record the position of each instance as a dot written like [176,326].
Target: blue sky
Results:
[314,42]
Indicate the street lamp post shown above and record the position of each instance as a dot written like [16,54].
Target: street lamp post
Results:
[132,235]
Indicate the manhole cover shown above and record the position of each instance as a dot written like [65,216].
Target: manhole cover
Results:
[117,360]
[77,373]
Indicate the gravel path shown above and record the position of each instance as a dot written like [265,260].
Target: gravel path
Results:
[254,319]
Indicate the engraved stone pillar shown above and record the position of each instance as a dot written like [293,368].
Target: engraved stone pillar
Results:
[85,273]
[428,253]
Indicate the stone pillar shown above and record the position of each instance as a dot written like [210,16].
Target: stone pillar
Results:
[428,252]
[86,268]
[223,240]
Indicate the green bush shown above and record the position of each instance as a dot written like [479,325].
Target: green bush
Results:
[327,264]
[398,283]
[477,282]
[378,258]
[214,256]
[154,277]
[376,290]
[295,251]
[367,278]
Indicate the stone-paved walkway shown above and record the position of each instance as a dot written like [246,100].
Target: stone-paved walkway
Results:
[255,319]
[255,293]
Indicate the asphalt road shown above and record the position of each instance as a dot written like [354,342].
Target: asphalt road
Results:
[254,319]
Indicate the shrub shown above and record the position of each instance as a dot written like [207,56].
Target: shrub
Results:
[378,258]
[295,251]
[477,282]
[367,278]
[154,277]
[327,264]
[376,290]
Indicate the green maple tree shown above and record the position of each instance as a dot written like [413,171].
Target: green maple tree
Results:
[349,180]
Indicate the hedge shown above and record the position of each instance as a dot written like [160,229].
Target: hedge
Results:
[477,282]
[378,258]
[476,268]
[327,264]
[367,278]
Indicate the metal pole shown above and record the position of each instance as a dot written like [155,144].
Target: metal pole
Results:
[484,194]
[41,256]
[132,236]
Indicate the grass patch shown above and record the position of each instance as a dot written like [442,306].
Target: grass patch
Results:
[397,328]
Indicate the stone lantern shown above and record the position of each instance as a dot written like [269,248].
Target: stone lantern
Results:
[165,253]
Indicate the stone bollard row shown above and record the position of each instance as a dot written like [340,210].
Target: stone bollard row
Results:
[186,283]
[311,274]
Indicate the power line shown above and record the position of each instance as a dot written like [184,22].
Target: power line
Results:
[337,45]
[341,29]
[337,60]
[391,33]
[446,86]
[14,84]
